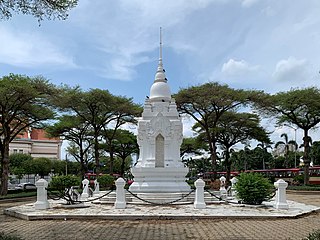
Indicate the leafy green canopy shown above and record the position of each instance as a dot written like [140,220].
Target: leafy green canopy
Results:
[207,103]
[40,9]
[95,111]
[24,102]
[298,107]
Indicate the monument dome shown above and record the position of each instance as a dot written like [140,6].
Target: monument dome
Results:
[160,90]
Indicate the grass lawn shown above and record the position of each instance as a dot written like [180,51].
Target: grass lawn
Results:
[19,194]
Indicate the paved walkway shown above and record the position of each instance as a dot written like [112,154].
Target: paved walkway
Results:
[228,229]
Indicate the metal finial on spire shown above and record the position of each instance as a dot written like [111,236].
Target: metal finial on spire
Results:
[160,55]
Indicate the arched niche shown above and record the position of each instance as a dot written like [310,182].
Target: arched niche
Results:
[159,155]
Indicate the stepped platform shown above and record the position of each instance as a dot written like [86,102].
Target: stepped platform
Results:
[138,211]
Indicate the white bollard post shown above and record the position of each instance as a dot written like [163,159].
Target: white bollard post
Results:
[233,181]
[120,194]
[96,192]
[42,199]
[199,197]
[85,189]
[281,200]
[223,190]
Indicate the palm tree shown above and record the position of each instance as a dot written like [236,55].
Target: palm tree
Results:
[265,147]
[287,147]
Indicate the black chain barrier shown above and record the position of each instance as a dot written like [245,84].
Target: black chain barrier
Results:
[161,204]
[213,195]
[239,202]
[66,196]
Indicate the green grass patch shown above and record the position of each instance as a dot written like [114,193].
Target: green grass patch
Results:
[305,188]
[18,195]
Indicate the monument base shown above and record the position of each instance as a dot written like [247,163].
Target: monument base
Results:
[159,180]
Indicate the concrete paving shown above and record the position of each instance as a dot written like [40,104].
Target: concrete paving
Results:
[219,228]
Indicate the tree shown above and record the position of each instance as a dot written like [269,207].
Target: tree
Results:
[264,146]
[75,130]
[41,166]
[99,109]
[234,128]
[40,9]
[207,103]
[315,153]
[250,159]
[298,107]
[286,147]
[18,159]
[24,102]
[126,112]
[17,162]
[125,144]
[192,146]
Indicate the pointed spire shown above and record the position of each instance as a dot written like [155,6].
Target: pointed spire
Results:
[160,91]
[160,76]
[160,54]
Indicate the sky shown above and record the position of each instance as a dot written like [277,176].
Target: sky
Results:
[268,45]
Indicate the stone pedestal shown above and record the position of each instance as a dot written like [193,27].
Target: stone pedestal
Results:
[159,180]
[281,199]
[199,197]
[42,199]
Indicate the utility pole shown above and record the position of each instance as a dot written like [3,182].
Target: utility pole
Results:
[66,164]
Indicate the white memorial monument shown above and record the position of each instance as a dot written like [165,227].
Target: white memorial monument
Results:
[159,167]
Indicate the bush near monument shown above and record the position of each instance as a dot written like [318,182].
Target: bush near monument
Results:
[60,183]
[106,181]
[253,188]
[315,235]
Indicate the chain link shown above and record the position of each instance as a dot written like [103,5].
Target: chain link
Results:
[161,204]
[69,199]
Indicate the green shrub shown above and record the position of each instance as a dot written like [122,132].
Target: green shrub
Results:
[106,181]
[253,188]
[299,179]
[4,236]
[60,183]
[314,235]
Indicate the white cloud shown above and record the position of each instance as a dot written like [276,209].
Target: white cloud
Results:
[291,69]
[134,33]
[248,3]
[26,49]
[235,68]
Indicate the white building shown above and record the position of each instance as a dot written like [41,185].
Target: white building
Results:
[37,144]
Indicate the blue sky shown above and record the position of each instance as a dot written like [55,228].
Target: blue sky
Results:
[268,45]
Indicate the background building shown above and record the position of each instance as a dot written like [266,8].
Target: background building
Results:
[37,144]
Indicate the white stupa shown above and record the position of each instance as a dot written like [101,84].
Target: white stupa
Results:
[159,167]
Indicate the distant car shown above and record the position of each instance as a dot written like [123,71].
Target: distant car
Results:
[26,186]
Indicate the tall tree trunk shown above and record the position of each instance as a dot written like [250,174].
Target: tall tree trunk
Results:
[228,165]
[306,155]
[111,160]
[4,167]
[96,154]
[122,166]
